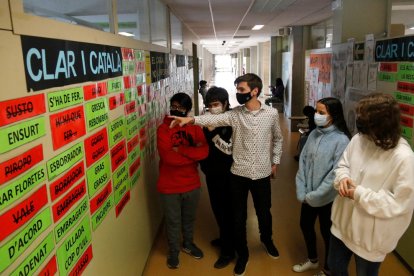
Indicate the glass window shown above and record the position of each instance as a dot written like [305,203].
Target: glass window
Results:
[158,24]
[92,14]
[133,19]
[176,33]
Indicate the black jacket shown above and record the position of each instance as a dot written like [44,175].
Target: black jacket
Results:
[219,142]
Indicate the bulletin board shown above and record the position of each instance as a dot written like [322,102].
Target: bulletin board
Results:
[387,66]
[77,126]
[317,75]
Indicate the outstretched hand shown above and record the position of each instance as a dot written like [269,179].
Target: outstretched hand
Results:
[180,121]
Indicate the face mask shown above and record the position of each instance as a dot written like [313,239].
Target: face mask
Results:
[243,98]
[216,110]
[321,120]
[177,113]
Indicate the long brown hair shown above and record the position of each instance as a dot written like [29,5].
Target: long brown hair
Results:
[378,117]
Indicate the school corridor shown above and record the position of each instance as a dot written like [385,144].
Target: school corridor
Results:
[286,232]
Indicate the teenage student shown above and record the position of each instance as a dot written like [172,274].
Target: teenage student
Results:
[180,149]
[314,189]
[216,168]
[374,179]
[257,148]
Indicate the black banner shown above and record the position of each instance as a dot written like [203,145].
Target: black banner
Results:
[180,60]
[54,62]
[396,49]
[159,66]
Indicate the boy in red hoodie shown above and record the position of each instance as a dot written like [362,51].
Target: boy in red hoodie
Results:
[180,149]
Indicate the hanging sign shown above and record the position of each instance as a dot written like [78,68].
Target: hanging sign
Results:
[64,161]
[73,246]
[54,62]
[122,203]
[19,134]
[35,259]
[17,216]
[95,90]
[97,201]
[116,100]
[67,126]
[20,187]
[115,85]
[96,113]
[102,212]
[64,183]
[96,146]
[118,155]
[64,98]
[117,131]
[22,108]
[61,207]
[12,249]
[20,164]
[50,268]
[69,221]
[82,263]
[98,175]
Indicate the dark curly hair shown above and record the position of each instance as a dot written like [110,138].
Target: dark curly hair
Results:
[378,117]
[253,81]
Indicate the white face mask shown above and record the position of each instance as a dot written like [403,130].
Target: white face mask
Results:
[321,120]
[216,110]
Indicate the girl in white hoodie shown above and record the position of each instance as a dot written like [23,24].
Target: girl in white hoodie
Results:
[374,179]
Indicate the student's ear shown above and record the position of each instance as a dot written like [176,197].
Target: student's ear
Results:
[255,91]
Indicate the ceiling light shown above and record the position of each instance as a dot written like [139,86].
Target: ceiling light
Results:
[411,28]
[257,27]
[126,34]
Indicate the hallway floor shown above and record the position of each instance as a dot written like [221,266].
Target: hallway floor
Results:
[286,232]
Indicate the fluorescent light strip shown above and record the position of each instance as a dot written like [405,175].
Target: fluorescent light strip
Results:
[257,27]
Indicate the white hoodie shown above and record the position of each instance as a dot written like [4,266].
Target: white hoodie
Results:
[372,223]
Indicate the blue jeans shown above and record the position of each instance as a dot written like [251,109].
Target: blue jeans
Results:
[339,257]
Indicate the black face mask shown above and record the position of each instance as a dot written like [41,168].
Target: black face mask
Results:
[178,113]
[243,98]
[360,126]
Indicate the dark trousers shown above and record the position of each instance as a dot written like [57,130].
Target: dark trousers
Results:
[308,216]
[180,211]
[219,193]
[340,256]
[260,190]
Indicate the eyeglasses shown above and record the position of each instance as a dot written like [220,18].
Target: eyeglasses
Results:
[178,107]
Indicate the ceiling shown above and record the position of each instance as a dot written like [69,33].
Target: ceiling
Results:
[215,21]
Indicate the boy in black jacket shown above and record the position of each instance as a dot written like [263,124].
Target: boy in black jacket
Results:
[216,168]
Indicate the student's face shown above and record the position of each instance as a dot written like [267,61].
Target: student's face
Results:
[243,88]
[321,110]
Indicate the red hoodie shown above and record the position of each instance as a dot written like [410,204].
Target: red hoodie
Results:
[179,169]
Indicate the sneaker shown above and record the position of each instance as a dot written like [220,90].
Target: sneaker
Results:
[216,242]
[321,273]
[172,260]
[305,266]
[271,250]
[223,261]
[240,267]
[193,250]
